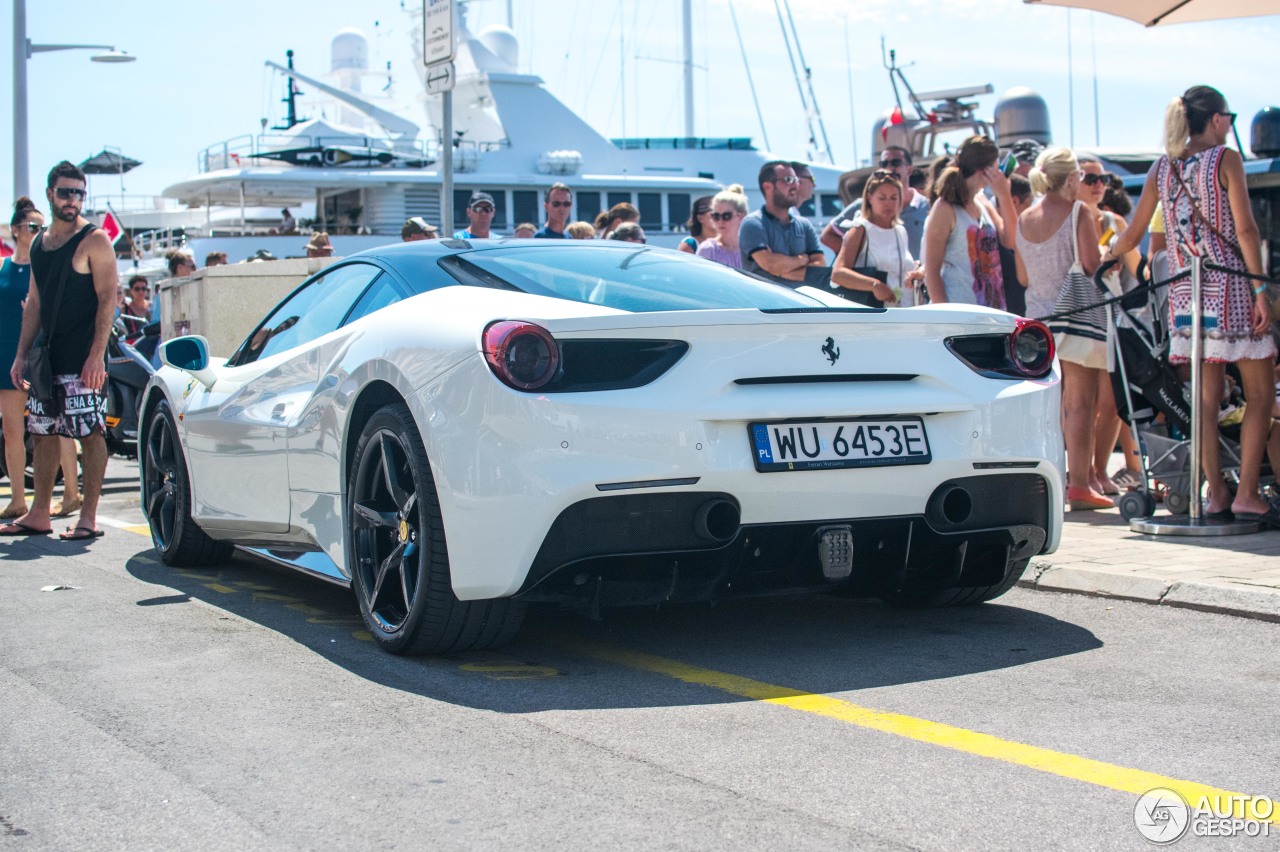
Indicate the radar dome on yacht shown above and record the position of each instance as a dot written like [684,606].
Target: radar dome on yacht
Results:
[502,43]
[349,49]
[1022,114]
[1264,133]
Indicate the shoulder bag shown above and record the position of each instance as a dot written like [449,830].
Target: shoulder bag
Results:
[39,369]
[863,297]
[1078,292]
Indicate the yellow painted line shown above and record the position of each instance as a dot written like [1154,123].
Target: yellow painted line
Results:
[1071,766]
[218,587]
[139,529]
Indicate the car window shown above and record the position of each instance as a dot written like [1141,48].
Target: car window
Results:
[637,279]
[313,310]
[382,293]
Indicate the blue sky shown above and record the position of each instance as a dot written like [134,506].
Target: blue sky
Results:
[199,78]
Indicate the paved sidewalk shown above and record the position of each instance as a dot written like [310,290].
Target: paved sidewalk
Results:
[1099,555]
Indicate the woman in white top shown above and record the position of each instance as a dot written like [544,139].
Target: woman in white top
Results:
[1051,235]
[876,238]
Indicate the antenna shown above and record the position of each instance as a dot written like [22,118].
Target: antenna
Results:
[291,97]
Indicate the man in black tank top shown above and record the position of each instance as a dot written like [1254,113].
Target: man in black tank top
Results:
[72,303]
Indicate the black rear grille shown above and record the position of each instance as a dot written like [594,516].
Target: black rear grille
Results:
[825,379]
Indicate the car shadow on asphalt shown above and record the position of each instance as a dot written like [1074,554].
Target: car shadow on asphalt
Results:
[563,660]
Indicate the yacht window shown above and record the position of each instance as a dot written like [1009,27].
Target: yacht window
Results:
[831,205]
[619,198]
[650,206]
[528,207]
[588,206]
[679,206]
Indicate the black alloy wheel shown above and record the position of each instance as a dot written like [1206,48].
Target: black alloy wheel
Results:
[166,498]
[397,554]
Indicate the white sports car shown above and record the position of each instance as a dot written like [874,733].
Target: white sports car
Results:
[456,429]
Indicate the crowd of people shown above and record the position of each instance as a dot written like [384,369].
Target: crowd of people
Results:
[1024,234]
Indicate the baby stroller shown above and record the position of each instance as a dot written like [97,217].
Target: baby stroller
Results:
[1154,402]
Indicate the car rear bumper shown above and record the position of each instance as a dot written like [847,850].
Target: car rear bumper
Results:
[684,546]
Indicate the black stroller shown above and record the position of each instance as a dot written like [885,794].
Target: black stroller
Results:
[1154,402]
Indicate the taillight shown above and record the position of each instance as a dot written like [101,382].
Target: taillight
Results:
[522,355]
[1025,353]
[1031,348]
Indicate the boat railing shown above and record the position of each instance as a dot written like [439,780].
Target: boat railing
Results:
[118,203]
[685,143]
[245,150]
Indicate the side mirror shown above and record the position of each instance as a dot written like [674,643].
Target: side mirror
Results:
[191,355]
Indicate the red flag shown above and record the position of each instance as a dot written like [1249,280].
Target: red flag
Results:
[5,251]
[112,227]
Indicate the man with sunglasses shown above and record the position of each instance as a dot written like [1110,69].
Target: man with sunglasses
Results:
[773,242]
[73,299]
[559,201]
[915,207]
[480,214]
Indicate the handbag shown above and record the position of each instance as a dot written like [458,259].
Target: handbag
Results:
[1078,292]
[864,297]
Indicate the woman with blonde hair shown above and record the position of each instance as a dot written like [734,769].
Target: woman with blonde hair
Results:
[1052,236]
[876,235]
[580,230]
[1200,186]
[728,208]
[963,231]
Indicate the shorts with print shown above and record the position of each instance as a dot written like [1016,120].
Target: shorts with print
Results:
[74,412]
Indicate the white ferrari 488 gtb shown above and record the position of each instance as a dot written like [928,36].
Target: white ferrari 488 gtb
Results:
[456,429]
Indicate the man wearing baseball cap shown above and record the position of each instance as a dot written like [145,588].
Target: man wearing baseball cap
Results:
[416,228]
[480,213]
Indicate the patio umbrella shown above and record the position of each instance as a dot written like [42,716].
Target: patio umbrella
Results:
[109,163]
[1152,13]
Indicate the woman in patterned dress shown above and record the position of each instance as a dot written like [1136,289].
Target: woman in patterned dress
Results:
[1200,185]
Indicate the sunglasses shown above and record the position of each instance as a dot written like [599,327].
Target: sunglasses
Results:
[560,203]
[66,192]
[722,217]
[895,163]
[33,227]
[482,208]
[787,179]
[139,288]
[1230,115]
[1090,179]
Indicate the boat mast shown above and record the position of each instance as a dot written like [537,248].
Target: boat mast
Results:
[687,22]
[291,97]
[820,148]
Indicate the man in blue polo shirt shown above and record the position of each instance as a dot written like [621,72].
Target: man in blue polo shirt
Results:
[774,243]
[559,200]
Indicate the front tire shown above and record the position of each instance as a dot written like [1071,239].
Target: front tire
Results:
[166,498]
[397,552]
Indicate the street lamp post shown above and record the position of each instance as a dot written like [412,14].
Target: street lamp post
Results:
[22,51]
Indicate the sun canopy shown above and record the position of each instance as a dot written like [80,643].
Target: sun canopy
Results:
[1151,13]
[109,163]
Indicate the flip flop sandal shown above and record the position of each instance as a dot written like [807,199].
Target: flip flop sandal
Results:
[21,529]
[80,534]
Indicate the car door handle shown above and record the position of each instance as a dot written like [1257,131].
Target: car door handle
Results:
[277,413]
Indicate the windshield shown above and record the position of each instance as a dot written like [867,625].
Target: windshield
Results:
[637,279]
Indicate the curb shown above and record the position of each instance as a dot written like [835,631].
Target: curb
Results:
[1260,604]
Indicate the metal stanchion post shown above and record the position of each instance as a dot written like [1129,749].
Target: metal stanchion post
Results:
[1195,524]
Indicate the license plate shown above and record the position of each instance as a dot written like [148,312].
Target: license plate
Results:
[827,444]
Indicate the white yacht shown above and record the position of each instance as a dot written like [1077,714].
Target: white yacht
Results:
[360,174]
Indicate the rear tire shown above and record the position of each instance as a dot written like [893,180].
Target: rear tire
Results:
[397,553]
[957,595]
[166,498]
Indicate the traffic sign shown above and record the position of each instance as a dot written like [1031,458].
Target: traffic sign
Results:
[438,44]
[440,78]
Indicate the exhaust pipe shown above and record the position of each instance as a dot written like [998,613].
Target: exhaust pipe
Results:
[951,505]
[717,520]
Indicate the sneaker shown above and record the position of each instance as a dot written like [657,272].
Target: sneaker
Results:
[1127,479]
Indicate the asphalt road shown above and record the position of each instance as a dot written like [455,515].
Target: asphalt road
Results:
[243,707]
